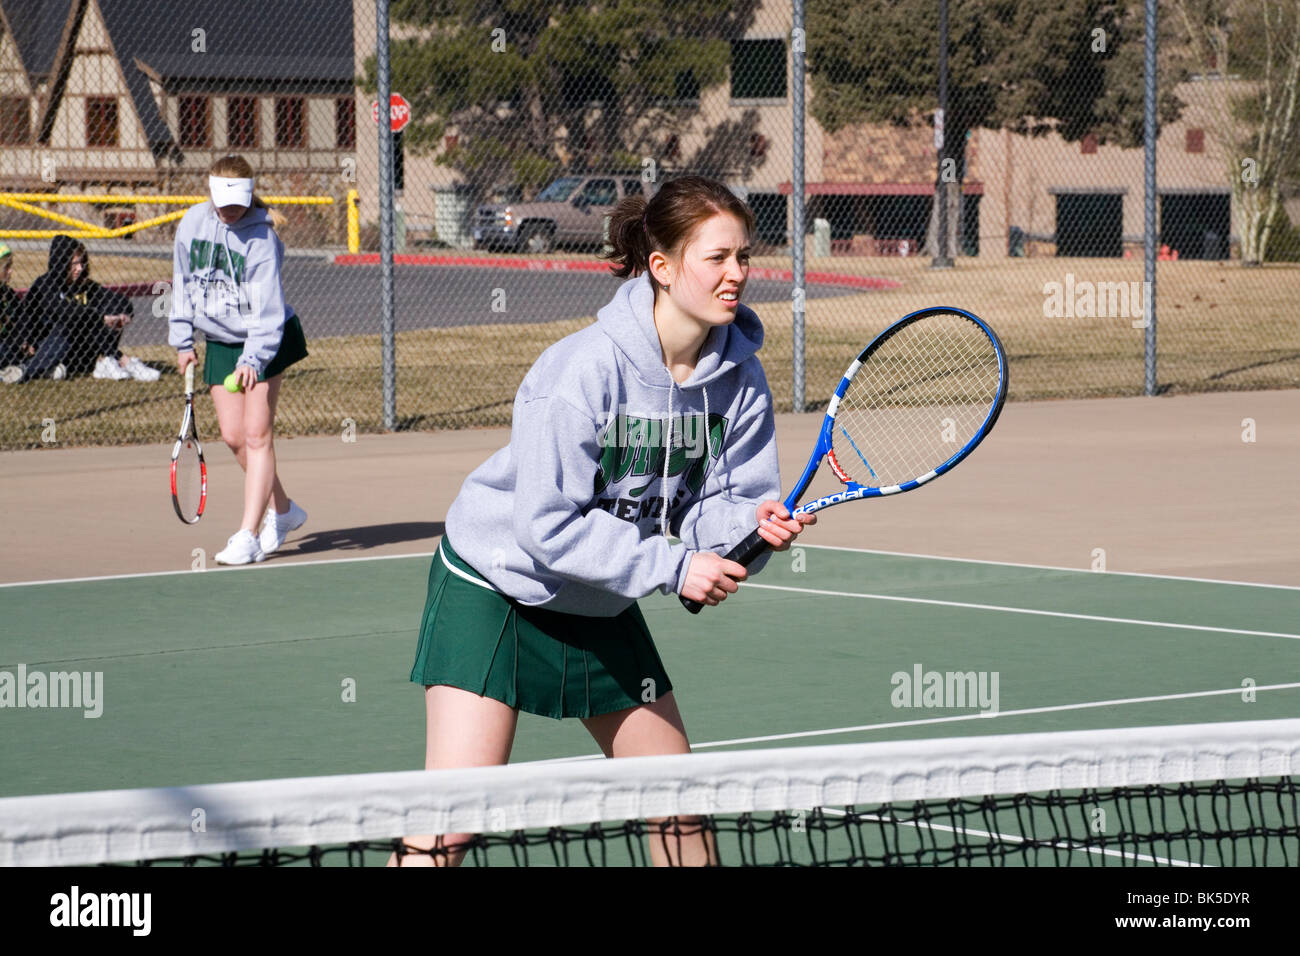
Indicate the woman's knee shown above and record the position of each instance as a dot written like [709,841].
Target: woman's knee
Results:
[233,436]
[257,439]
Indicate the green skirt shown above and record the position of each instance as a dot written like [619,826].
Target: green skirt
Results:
[219,359]
[543,662]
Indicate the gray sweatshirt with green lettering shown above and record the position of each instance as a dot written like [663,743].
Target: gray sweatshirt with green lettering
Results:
[574,514]
[226,283]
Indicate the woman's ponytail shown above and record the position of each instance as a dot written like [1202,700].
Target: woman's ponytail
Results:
[629,235]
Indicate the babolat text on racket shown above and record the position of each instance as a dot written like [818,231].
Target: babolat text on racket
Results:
[910,408]
[189,472]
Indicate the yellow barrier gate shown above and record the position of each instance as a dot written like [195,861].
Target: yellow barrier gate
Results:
[24,202]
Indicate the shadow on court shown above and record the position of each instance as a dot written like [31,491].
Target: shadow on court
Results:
[366,536]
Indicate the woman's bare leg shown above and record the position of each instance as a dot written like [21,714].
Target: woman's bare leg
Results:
[462,730]
[235,412]
[649,730]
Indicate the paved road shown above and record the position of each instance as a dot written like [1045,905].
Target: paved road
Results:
[345,300]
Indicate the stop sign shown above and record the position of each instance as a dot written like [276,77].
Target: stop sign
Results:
[399,112]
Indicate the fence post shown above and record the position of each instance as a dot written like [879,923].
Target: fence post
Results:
[384,77]
[1149,196]
[796,195]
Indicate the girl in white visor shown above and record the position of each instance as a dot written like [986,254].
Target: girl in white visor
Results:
[226,283]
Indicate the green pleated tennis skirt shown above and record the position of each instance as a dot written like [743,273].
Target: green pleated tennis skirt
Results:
[220,359]
[543,662]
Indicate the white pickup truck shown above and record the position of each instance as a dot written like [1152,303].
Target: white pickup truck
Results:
[570,211]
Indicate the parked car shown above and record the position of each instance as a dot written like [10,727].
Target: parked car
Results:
[570,211]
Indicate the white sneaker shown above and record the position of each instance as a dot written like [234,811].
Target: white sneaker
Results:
[12,374]
[60,372]
[276,527]
[108,368]
[242,548]
[141,372]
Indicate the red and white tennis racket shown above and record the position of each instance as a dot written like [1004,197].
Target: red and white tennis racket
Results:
[189,473]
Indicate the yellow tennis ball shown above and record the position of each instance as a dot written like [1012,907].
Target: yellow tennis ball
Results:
[232,383]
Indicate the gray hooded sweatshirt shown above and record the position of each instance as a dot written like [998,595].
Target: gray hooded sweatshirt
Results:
[573,515]
[226,283]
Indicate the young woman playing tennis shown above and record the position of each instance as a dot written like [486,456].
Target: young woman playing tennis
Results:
[655,421]
[226,282]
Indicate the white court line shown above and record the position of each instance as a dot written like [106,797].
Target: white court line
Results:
[824,547]
[1051,567]
[983,715]
[218,567]
[1016,838]
[1024,610]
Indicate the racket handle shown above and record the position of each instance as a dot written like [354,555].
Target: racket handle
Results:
[743,553]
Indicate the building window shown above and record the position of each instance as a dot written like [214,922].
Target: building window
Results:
[101,121]
[290,130]
[1088,144]
[1195,141]
[241,122]
[195,122]
[15,121]
[345,123]
[757,69]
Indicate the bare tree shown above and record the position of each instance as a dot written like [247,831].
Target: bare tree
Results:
[1254,48]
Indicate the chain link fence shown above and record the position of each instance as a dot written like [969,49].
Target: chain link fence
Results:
[522,126]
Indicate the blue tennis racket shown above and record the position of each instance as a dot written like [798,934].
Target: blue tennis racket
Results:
[910,408]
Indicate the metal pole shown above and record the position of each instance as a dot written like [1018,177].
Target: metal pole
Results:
[384,77]
[1149,194]
[796,195]
[941,258]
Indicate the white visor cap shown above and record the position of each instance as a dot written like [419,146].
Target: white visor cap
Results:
[230,192]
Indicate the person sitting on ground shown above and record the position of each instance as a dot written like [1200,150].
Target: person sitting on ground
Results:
[13,349]
[77,322]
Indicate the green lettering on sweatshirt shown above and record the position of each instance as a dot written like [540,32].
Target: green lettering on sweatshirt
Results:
[208,255]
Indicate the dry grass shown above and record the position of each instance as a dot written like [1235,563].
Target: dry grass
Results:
[1220,327]
[104,269]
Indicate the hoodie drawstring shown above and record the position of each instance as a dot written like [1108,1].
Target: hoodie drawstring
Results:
[668,450]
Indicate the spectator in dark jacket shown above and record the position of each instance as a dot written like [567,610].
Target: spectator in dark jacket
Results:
[75,324]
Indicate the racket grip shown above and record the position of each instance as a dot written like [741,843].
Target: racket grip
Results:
[743,553]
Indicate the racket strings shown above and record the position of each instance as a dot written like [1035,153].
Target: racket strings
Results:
[189,480]
[918,399]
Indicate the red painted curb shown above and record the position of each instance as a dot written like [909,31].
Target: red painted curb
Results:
[583,265]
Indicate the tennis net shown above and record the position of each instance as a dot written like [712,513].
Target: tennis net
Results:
[1195,795]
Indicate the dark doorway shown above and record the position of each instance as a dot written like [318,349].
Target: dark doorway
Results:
[1090,224]
[1196,224]
[769,217]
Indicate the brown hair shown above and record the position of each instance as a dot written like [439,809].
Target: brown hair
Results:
[236,167]
[665,223]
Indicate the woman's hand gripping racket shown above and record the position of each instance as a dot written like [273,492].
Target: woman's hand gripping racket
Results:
[189,473]
[912,406]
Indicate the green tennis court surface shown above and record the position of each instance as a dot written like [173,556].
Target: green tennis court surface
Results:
[301,670]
